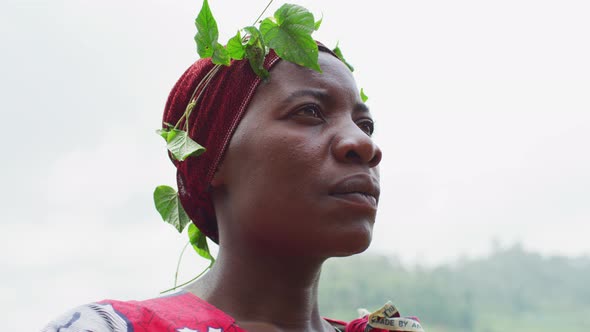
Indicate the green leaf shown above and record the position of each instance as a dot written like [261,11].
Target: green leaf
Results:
[255,51]
[167,134]
[235,48]
[207,32]
[255,56]
[182,146]
[364,97]
[290,35]
[338,53]
[163,133]
[220,55]
[199,242]
[254,36]
[168,205]
[318,23]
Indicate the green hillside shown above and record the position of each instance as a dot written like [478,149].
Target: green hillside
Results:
[512,290]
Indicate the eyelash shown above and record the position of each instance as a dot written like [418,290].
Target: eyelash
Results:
[370,126]
[318,113]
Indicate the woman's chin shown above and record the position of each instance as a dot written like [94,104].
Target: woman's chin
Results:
[356,250]
[354,242]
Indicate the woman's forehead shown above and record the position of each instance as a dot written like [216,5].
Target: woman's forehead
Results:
[286,77]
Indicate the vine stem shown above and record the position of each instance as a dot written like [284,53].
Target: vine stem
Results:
[209,77]
[201,86]
[188,282]
[263,11]
[178,264]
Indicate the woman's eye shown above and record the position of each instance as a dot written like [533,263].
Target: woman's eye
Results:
[311,111]
[367,126]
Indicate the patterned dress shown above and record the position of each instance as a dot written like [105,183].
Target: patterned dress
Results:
[180,312]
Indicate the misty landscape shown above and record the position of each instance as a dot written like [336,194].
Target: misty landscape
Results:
[511,290]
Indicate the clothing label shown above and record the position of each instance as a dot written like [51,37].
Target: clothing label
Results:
[388,318]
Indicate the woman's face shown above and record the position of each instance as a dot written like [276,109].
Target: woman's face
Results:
[300,174]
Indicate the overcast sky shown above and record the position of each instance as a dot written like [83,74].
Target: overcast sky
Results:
[482,111]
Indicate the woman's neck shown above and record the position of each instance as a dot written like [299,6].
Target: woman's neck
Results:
[262,291]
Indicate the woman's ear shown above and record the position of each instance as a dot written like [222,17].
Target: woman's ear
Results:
[223,172]
[218,178]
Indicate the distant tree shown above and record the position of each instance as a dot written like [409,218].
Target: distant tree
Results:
[465,296]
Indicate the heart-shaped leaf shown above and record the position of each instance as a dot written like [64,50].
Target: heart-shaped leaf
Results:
[199,242]
[220,55]
[235,48]
[338,53]
[256,51]
[289,34]
[168,205]
[207,32]
[181,146]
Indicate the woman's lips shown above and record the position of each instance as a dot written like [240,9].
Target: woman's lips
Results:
[359,189]
[358,198]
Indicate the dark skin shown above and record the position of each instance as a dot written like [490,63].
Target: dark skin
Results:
[298,184]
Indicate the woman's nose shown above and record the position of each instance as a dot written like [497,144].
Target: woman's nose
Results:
[352,145]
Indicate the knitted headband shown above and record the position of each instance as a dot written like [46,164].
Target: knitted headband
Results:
[212,124]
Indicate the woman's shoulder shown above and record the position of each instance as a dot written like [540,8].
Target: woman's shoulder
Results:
[177,312]
[99,317]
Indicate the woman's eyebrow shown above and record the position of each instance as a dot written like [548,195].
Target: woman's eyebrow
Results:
[361,108]
[315,93]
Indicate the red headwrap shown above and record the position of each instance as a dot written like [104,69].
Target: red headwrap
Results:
[212,124]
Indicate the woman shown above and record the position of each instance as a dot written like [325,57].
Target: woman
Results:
[289,179]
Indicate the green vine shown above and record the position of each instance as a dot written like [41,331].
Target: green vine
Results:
[288,33]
